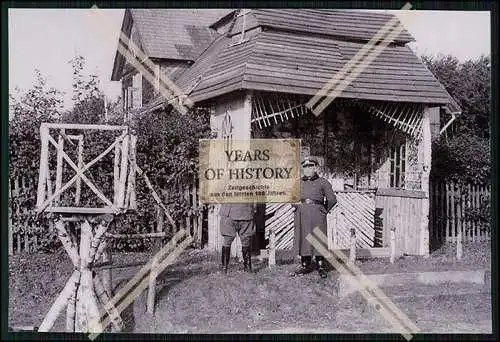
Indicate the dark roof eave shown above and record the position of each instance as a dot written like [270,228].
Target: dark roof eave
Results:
[245,86]
[267,27]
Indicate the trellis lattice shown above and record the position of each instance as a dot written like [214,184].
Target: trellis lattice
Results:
[273,109]
[406,117]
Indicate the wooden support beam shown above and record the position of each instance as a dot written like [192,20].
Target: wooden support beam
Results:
[42,174]
[85,126]
[133,164]
[272,249]
[352,251]
[392,245]
[59,165]
[116,174]
[80,165]
[87,311]
[80,210]
[123,172]
[104,296]
[49,183]
[109,265]
[60,303]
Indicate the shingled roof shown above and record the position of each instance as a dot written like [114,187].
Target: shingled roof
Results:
[344,24]
[297,51]
[284,62]
[181,34]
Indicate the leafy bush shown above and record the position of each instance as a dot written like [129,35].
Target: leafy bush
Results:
[463,159]
[167,151]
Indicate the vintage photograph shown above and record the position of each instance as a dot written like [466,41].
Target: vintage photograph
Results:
[253,171]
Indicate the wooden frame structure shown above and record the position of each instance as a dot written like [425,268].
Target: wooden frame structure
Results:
[84,243]
[124,170]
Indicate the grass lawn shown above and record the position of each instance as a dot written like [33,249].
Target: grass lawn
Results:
[194,297]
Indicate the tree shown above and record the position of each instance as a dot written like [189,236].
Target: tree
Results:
[469,84]
[464,158]
[87,97]
[28,111]
[38,104]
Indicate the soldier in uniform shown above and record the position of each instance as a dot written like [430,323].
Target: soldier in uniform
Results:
[317,199]
[237,218]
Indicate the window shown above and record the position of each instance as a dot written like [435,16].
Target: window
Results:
[398,166]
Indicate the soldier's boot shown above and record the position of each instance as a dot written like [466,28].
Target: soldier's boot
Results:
[321,266]
[305,266]
[247,259]
[226,254]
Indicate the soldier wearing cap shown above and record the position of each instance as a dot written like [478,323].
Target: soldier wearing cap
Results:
[237,218]
[317,199]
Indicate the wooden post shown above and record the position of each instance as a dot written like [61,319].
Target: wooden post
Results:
[102,295]
[272,248]
[185,189]
[459,244]
[87,310]
[80,165]
[153,274]
[71,308]
[352,252]
[107,276]
[123,172]
[59,166]
[59,303]
[426,154]
[42,175]
[116,174]
[133,197]
[393,245]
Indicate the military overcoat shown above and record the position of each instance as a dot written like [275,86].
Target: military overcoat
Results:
[311,215]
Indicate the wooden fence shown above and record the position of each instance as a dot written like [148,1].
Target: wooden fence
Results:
[449,204]
[25,236]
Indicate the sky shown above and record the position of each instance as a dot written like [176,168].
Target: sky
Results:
[46,39]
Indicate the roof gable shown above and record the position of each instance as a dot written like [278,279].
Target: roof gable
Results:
[180,34]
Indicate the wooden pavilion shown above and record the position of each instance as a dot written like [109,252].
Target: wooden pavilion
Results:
[258,68]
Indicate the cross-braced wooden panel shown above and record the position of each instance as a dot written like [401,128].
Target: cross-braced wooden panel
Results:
[281,222]
[353,210]
[94,179]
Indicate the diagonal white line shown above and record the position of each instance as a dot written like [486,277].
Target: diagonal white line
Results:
[95,328]
[352,63]
[363,280]
[80,172]
[356,282]
[169,90]
[84,178]
[358,70]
